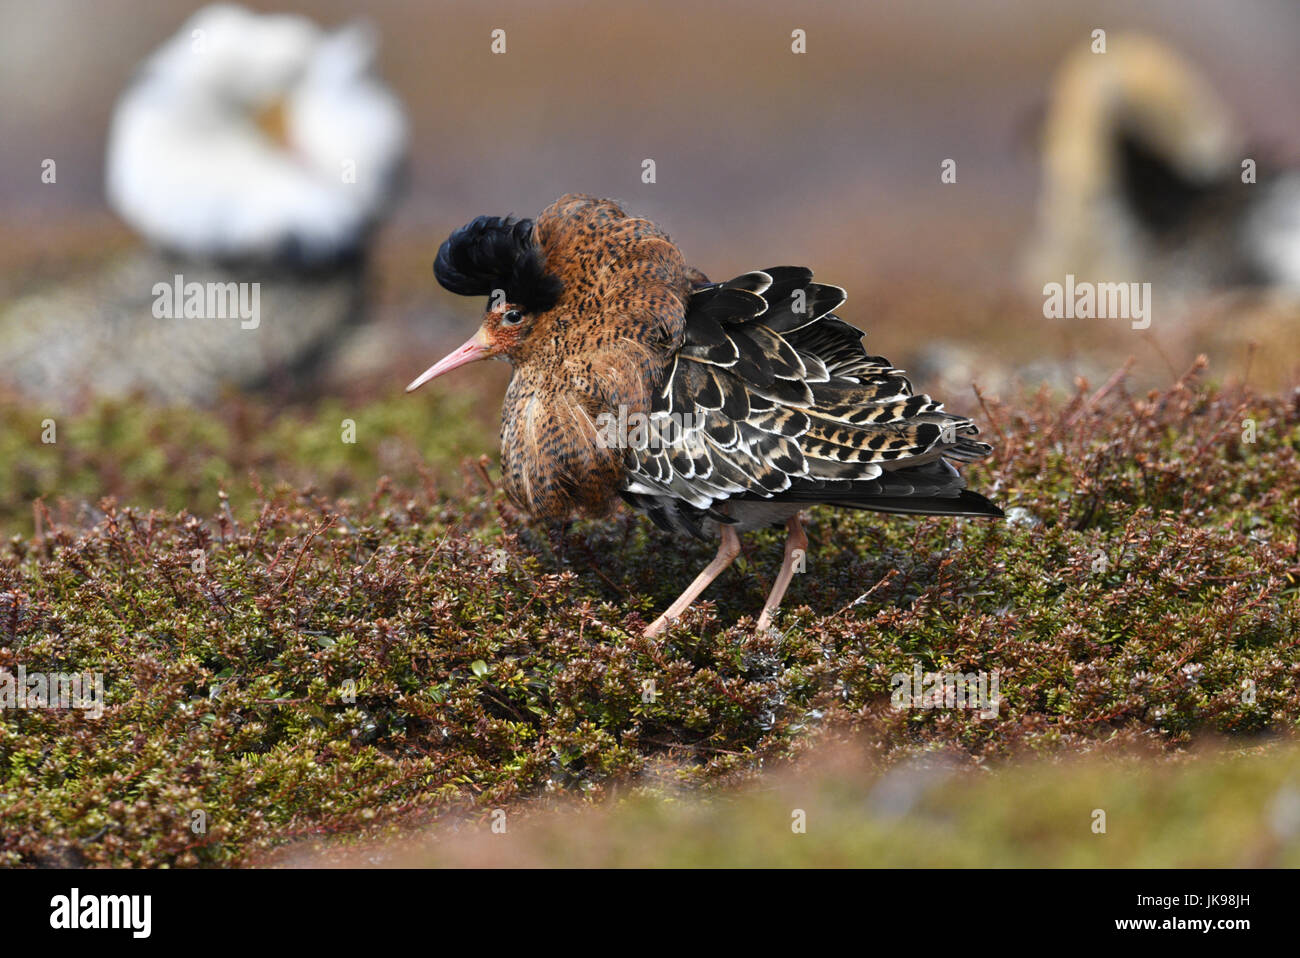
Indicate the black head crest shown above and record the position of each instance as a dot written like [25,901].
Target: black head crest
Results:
[498,252]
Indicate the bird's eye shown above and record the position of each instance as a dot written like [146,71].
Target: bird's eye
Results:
[512,317]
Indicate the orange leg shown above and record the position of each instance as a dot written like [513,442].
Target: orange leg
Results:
[796,542]
[728,549]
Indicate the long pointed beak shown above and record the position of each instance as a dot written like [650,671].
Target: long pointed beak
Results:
[477,348]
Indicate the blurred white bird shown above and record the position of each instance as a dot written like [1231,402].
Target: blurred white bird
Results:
[255,150]
[251,136]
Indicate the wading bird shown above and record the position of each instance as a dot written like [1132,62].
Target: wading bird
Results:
[1146,177]
[255,154]
[759,400]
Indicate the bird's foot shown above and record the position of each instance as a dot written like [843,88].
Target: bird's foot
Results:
[558,534]
[655,627]
[728,549]
[796,547]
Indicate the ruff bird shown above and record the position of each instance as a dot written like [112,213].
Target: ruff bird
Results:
[1143,181]
[751,399]
[251,136]
[254,154]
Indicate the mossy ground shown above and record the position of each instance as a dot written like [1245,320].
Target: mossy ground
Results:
[234,574]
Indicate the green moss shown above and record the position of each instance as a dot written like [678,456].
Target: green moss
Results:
[306,637]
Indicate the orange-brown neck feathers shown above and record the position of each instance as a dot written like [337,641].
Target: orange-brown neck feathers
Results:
[603,347]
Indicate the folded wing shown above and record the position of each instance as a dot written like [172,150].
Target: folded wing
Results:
[773,397]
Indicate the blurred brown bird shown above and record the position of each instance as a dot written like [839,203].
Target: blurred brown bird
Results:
[1143,178]
[714,408]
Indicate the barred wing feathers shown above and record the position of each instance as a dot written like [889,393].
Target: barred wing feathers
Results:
[773,397]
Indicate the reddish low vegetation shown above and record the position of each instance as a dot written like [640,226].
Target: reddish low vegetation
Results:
[281,662]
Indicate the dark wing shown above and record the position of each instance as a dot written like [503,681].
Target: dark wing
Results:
[773,397]
[1161,197]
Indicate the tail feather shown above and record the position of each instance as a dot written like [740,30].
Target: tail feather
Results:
[967,503]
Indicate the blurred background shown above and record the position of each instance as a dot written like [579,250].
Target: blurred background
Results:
[762,156]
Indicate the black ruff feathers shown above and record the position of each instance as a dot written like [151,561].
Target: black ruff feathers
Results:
[495,252]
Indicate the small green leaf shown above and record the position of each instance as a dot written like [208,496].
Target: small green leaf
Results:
[479,667]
